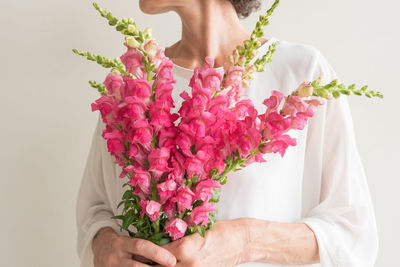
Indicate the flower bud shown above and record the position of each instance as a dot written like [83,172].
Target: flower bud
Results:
[251,69]
[236,56]
[131,42]
[245,83]
[250,76]
[253,53]
[242,60]
[305,89]
[131,28]
[116,72]
[147,33]
[229,62]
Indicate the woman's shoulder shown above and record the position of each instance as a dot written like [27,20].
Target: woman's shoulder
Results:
[295,51]
[301,60]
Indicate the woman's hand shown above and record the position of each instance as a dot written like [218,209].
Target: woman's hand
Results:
[223,245]
[244,240]
[111,250]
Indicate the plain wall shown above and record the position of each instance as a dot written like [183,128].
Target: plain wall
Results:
[47,124]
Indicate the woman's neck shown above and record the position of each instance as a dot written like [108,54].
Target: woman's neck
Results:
[209,28]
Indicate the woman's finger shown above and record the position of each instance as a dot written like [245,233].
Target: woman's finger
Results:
[140,259]
[150,251]
[132,263]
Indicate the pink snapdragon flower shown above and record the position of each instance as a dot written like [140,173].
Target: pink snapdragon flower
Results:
[166,190]
[204,189]
[274,100]
[177,160]
[125,170]
[279,145]
[170,208]
[164,73]
[194,166]
[159,57]
[176,228]
[246,137]
[114,84]
[276,123]
[234,76]
[139,88]
[151,208]
[143,132]
[199,215]
[107,107]
[134,109]
[244,108]
[132,60]
[151,48]
[160,115]
[158,159]
[138,153]
[207,76]
[164,93]
[141,180]
[184,198]
[167,137]
[114,139]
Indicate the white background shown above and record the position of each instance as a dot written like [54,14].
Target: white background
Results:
[47,124]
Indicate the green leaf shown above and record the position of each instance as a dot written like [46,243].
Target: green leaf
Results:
[163,241]
[129,218]
[128,194]
[201,230]
[119,217]
[157,236]
[120,203]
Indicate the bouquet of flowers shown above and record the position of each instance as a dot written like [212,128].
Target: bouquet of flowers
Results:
[175,163]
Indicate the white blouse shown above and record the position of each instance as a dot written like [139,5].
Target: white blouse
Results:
[320,182]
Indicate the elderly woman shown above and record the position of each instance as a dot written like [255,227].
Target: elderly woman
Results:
[310,207]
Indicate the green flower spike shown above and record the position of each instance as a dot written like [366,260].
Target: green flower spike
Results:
[249,49]
[334,89]
[99,86]
[105,62]
[260,63]
[126,26]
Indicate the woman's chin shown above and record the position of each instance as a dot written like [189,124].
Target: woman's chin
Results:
[153,6]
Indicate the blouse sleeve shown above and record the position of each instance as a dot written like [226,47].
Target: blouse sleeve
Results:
[93,209]
[343,219]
